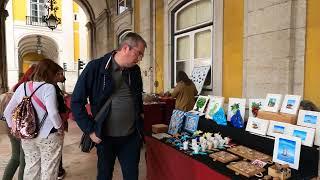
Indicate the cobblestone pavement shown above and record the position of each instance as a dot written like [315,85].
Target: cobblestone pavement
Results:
[78,165]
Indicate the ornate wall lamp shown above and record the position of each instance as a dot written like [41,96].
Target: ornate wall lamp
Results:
[51,18]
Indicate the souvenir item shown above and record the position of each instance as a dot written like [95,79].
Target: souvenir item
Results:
[161,135]
[245,168]
[258,126]
[198,76]
[259,163]
[236,105]
[220,117]
[308,118]
[237,120]
[249,153]
[176,121]
[191,124]
[254,106]
[291,104]
[279,171]
[201,103]
[215,103]
[159,128]
[223,156]
[276,127]
[304,133]
[287,150]
[272,102]
[185,145]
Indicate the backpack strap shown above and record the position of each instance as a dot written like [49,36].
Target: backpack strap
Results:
[35,97]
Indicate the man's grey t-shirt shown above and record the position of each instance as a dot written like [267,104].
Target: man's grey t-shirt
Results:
[120,121]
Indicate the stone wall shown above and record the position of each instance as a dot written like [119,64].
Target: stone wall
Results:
[274,38]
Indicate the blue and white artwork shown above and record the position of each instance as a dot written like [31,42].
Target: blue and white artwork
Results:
[191,124]
[306,134]
[287,150]
[291,104]
[300,134]
[310,119]
[278,129]
[176,121]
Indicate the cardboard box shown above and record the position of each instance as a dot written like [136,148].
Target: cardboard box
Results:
[159,128]
[281,117]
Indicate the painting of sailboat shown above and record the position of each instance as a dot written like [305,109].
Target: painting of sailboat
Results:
[286,150]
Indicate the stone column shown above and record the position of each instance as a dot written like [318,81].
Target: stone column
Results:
[274,47]
[3,56]
[146,31]
[91,39]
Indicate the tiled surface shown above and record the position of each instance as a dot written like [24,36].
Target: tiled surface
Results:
[78,165]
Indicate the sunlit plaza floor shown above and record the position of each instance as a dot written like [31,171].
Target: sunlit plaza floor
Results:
[78,165]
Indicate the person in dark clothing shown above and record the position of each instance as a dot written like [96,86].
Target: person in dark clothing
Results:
[117,134]
[63,111]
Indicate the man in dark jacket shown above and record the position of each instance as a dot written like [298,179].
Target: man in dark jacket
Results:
[118,132]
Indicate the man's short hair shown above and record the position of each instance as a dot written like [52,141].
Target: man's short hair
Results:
[132,39]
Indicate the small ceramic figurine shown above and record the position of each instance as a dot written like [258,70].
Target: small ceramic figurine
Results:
[204,147]
[209,143]
[196,149]
[185,145]
[227,140]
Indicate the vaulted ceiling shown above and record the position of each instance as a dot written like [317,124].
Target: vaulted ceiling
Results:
[94,8]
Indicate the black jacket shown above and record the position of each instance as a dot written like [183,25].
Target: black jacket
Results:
[96,83]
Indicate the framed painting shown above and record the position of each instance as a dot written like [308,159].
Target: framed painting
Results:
[198,76]
[287,150]
[201,103]
[308,118]
[291,104]
[304,133]
[176,121]
[236,104]
[272,102]
[257,126]
[254,106]
[191,124]
[215,103]
[276,128]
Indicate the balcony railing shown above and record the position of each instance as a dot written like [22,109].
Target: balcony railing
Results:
[35,21]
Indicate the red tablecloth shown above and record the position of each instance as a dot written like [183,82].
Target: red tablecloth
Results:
[153,114]
[167,163]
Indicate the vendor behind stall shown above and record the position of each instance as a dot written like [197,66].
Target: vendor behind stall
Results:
[184,92]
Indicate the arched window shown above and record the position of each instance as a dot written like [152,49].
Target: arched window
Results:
[123,5]
[193,37]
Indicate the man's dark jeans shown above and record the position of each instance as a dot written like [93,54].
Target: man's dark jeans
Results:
[127,149]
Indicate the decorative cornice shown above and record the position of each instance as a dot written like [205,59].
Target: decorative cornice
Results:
[128,12]
[102,17]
